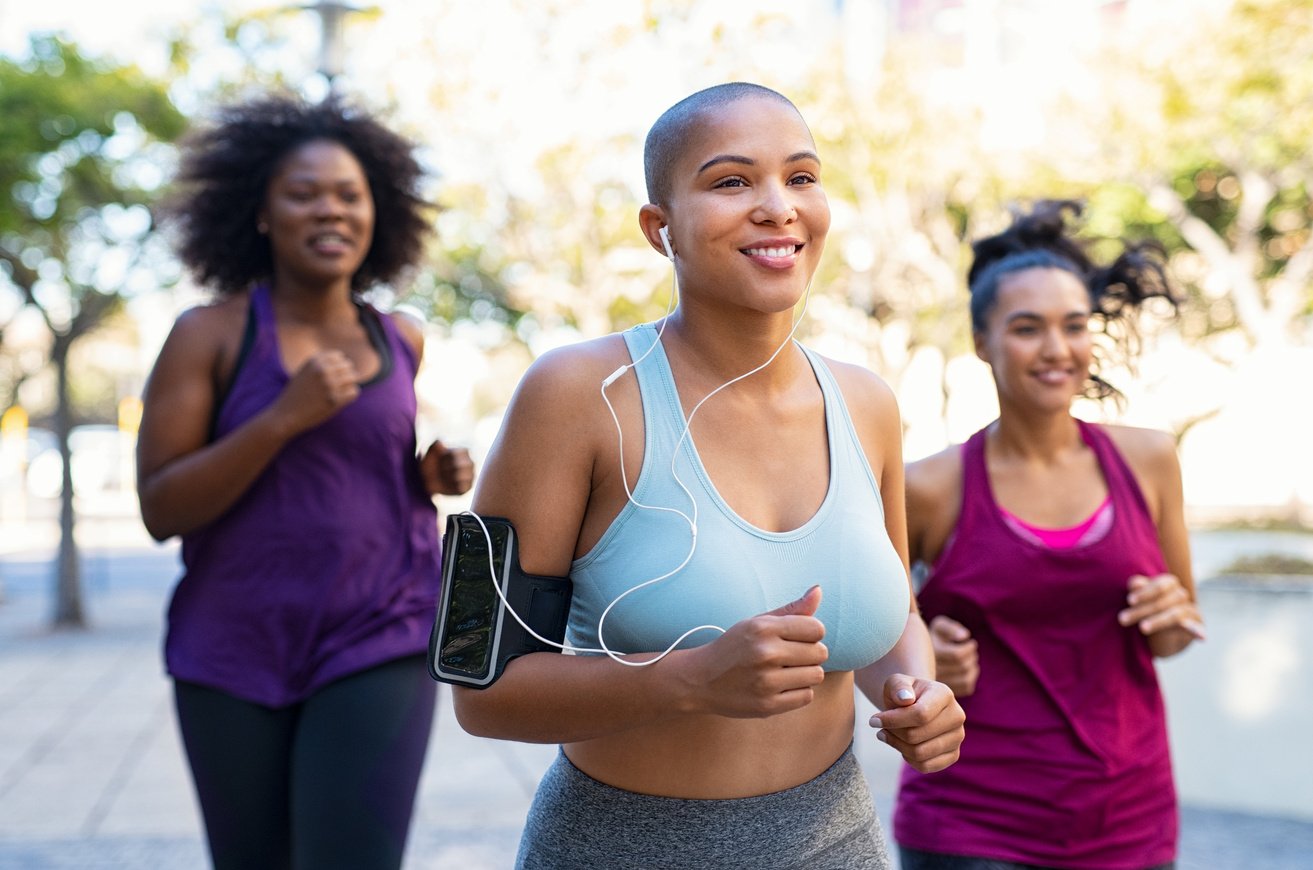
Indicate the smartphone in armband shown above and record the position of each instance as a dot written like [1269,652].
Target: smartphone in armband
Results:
[473,636]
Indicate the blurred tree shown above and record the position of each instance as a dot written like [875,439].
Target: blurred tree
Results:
[1205,133]
[82,154]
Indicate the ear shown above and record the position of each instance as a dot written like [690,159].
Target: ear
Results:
[651,218]
[262,222]
[978,340]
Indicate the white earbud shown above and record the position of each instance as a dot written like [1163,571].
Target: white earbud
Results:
[665,240]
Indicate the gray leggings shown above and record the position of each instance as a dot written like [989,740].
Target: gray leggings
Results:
[578,823]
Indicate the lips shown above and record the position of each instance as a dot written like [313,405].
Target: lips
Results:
[1054,377]
[774,253]
[329,243]
[781,251]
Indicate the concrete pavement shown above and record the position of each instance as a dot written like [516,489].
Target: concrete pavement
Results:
[92,773]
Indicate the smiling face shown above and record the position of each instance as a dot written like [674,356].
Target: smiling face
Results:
[1037,339]
[746,212]
[319,214]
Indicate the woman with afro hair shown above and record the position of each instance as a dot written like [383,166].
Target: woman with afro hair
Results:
[1058,569]
[278,441]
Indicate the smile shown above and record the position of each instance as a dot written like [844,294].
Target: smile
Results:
[773,253]
[329,241]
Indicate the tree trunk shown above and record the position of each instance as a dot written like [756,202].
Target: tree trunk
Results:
[69,610]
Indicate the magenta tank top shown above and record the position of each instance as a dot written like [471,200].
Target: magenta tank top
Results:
[1065,762]
[328,564]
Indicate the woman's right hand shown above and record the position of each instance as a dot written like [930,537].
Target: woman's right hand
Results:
[762,666]
[324,384]
[957,663]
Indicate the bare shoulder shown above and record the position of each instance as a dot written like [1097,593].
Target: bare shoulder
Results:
[411,329]
[1151,455]
[209,333]
[934,502]
[936,479]
[863,390]
[557,404]
[218,318]
[567,374]
[1149,451]
[873,409]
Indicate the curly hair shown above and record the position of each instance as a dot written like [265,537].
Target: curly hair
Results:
[225,172]
[1042,239]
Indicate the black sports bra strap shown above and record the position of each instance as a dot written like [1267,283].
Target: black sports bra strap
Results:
[248,341]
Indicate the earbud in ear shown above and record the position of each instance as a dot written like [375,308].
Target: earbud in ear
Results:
[665,240]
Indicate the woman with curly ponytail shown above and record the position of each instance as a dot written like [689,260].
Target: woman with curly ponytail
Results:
[1058,568]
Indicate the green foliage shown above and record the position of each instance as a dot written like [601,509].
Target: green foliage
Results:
[82,156]
[68,127]
[460,284]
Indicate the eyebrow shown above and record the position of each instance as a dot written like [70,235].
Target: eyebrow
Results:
[748,161]
[1031,315]
[311,178]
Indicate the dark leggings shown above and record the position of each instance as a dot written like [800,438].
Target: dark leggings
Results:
[329,782]
[915,859]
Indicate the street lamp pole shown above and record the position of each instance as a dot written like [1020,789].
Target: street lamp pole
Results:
[332,44]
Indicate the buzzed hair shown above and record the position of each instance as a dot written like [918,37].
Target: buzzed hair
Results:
[665,141]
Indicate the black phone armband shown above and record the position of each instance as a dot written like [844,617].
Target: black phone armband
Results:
[473,636]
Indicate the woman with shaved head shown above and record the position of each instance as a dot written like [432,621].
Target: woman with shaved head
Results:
[729,506]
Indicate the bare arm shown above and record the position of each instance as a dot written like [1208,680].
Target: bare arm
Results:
[934,490]
[185,481]
[445,469]
[1164,607]
[919,716]
[540,475]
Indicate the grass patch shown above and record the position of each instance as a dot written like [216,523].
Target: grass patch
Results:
[1269,563]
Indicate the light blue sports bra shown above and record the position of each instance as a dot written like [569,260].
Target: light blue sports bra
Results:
[738,570]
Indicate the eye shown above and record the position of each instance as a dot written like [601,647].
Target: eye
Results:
[732,181]
[803,178]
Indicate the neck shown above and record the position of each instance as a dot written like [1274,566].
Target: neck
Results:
[723,348]
[1034,436]
[308,302]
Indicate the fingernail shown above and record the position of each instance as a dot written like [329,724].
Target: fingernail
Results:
[876,723]
[879,735]
[905,694]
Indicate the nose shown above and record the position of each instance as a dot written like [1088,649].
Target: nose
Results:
[328,207]
[775,205]
[1055,344]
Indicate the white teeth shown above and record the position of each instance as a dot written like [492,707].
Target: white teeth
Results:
[772,252]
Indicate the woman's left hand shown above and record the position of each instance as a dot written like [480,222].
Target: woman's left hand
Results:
[922,720]
[1158,603]
[446,470]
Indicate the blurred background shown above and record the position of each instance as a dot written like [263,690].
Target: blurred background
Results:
[1186,121]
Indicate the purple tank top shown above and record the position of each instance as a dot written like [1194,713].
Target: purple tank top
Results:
[328,564]
[1065,762]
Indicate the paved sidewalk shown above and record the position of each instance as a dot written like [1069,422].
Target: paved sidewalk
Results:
[92,774]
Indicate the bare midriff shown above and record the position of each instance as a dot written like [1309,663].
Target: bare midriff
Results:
[713,757]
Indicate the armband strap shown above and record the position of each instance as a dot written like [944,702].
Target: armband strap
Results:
[473,635]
